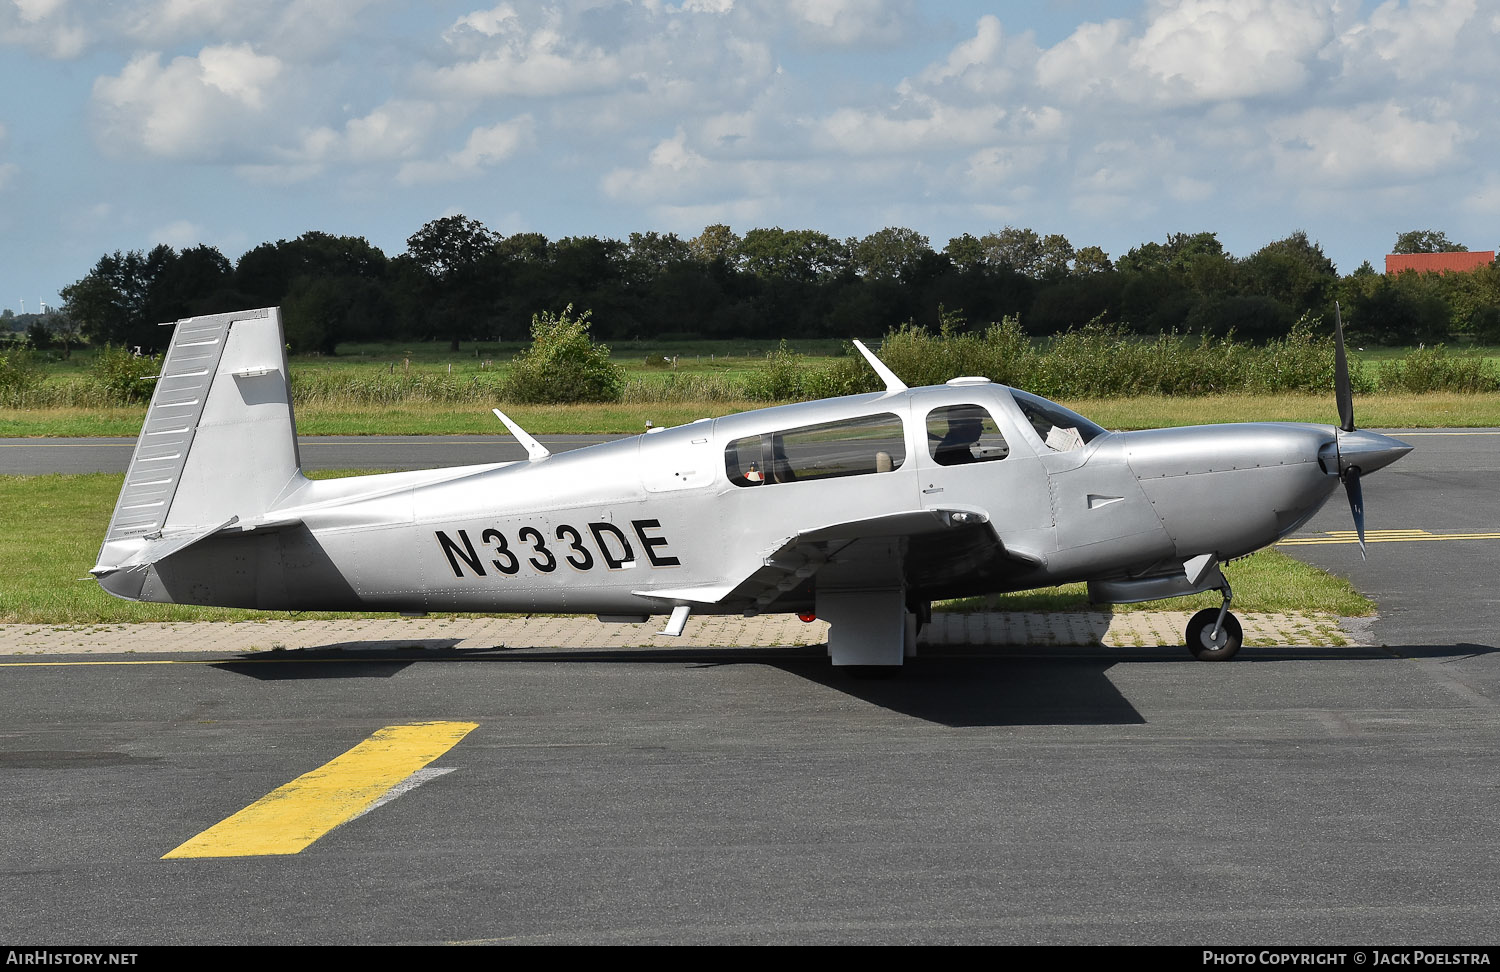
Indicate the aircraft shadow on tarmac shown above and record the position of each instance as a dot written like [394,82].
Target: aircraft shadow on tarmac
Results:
[986,691]
[951,690]
[980,686]
[1463,649]
[348,659]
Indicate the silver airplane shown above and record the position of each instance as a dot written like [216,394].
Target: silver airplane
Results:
[859,510]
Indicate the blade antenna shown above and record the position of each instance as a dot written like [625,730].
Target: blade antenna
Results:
[892,383]
[534,449]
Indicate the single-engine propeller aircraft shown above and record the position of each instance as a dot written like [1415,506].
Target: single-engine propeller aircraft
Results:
[861,510]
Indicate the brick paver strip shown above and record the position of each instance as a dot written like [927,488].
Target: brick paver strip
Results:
[1133,629]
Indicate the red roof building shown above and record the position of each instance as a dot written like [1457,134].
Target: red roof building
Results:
[1439,262]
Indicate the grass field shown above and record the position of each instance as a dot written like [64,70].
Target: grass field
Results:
[55,525]
[424,389]
[636,357]
[705,356]
[1432,410]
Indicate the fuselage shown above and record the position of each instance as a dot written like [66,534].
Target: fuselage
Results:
[684,515]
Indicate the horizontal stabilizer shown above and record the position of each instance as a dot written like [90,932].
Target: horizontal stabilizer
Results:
[156,548]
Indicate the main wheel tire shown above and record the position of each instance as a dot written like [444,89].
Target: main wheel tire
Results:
[1200,639]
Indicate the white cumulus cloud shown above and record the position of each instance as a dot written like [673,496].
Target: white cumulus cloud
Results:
[506,55]
[929,127]
[1369,142]
[1418,39]
[486,147]
[848,23]
[1193,52]
[201,107]
[49,27]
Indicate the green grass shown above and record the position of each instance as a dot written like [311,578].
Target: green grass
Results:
[697,354]
[1266,581]
[1376,411]
[1431,410]
[393,420]
[55,524]
[424,389]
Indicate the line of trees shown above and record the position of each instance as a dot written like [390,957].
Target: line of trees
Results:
[459,281]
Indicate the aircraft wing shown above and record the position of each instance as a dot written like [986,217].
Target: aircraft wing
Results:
[915,549]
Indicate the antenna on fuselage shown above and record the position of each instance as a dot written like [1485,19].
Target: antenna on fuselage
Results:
[534,449]
[892,383]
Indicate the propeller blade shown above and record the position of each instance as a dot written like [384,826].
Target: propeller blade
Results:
[1341,389]
[1356,505]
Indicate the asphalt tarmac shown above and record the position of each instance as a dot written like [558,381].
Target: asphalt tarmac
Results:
[987,795]
[1430,591]
[31,457]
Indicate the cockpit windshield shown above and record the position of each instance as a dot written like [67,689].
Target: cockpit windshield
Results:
[1060,428]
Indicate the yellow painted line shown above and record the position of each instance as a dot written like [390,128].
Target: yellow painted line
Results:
[1384,536]
[1379,533]
[288,819]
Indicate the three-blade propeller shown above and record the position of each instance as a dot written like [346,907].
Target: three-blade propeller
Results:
[1345,394]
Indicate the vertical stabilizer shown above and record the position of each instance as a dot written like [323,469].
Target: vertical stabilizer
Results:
[219,440]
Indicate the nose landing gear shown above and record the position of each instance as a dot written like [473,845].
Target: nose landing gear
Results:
[1214,634]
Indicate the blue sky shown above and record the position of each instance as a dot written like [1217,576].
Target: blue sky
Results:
[233,122]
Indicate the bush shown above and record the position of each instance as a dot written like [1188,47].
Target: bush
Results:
[780,379]
[563,365]
[340,388]
[18,372]
[1098,360]
[122,377]
[678,387]
[1434,369]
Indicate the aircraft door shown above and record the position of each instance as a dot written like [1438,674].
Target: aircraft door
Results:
[973,456]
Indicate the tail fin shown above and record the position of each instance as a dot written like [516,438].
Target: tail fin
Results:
[219,443]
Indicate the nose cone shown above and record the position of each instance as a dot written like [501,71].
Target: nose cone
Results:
[1368,451]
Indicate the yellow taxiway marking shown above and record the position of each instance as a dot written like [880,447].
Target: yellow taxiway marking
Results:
[1384,536]
[291,817]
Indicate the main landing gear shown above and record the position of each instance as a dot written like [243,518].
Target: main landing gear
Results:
[1214,634]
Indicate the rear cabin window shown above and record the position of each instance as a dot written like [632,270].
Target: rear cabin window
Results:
[960,434]
[852,447]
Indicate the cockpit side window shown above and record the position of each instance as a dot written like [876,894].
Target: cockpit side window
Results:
[852,447]
[1060,428]
[961,434]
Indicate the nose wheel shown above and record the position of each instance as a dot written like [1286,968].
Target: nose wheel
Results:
[1214,634]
